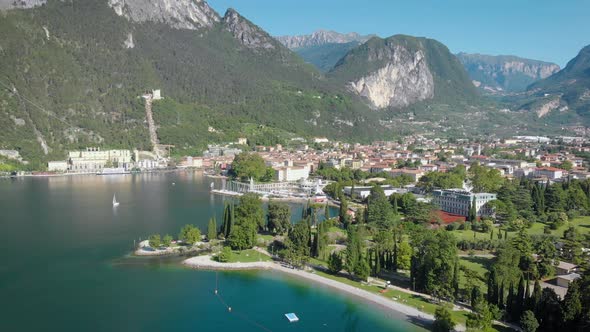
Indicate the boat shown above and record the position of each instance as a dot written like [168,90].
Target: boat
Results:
[115,203]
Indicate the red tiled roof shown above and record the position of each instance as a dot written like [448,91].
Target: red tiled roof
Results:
[448,218]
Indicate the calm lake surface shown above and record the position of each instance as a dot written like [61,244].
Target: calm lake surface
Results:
[63,265]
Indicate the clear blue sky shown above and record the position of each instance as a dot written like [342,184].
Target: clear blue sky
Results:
[550,30]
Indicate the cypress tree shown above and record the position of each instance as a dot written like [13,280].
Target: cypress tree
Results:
[472,214]
[225,228]
[394,204]
[491,285]
[519,301]
[327,211]
[456,280]
[536,297]
[510,303]
[501,296]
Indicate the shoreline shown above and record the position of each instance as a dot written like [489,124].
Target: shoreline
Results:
[410,313]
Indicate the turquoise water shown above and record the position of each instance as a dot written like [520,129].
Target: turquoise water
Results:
[63,265]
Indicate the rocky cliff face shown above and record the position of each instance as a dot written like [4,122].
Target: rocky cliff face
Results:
[401,70]
[322,37]
[246,32]
[500,74]
[404,80]
[179,14]
[10,4]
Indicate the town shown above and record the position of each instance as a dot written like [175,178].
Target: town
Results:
[532,190]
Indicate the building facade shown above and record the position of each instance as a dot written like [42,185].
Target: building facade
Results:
[457,201]
[94,159]
[287,174]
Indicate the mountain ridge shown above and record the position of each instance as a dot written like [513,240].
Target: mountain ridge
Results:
[505,73]
[321,37]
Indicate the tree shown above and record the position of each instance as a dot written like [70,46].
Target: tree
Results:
[485,179]
[555,198]
[379,210]
[241,237]
[228,220]
[327,211]
[472,214]
[343,212]
[335,263]
[404,255]
[567,165]
[249,165]
[362,269]
[250,211]
[155,241]
[433,262]
[481,318]
[443,320]
[225,255]
[298,243]
[549,312]
[212,229]
[528,322]
[572,247]
[572,305]
[167,240]
[279,217]
[190,234]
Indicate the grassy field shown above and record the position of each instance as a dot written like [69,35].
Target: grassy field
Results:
[248,256]
[480,265]
[581,223]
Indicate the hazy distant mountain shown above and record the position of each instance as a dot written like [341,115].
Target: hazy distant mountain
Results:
[566,91]
[322,37]
[399,71]
[323,48]
[505,73]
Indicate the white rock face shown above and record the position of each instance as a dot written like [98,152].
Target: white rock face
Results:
[179,14]
[129,41]
[11,4]
[405,79]
[547,107]
[245,32]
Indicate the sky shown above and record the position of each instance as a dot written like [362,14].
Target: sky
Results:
[549,30]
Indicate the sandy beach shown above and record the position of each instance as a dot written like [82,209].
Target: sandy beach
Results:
[205,262]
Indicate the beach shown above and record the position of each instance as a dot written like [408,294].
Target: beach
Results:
[206,263]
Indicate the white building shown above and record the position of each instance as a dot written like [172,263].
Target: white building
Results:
[94,159]
[57,166]
[458,201]
[550,173]
[291,173]
[365,191]
[156,95]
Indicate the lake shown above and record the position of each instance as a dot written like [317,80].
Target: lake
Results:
[64,266]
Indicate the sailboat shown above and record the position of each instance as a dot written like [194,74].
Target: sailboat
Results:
[115,203]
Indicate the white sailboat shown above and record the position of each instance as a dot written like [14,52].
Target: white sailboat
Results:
[115,203]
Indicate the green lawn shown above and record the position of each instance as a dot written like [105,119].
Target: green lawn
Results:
[408,299]
[248,256]
[480,265]
[581,223]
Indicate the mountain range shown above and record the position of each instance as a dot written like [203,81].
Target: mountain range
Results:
[73,74]
[502,74]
